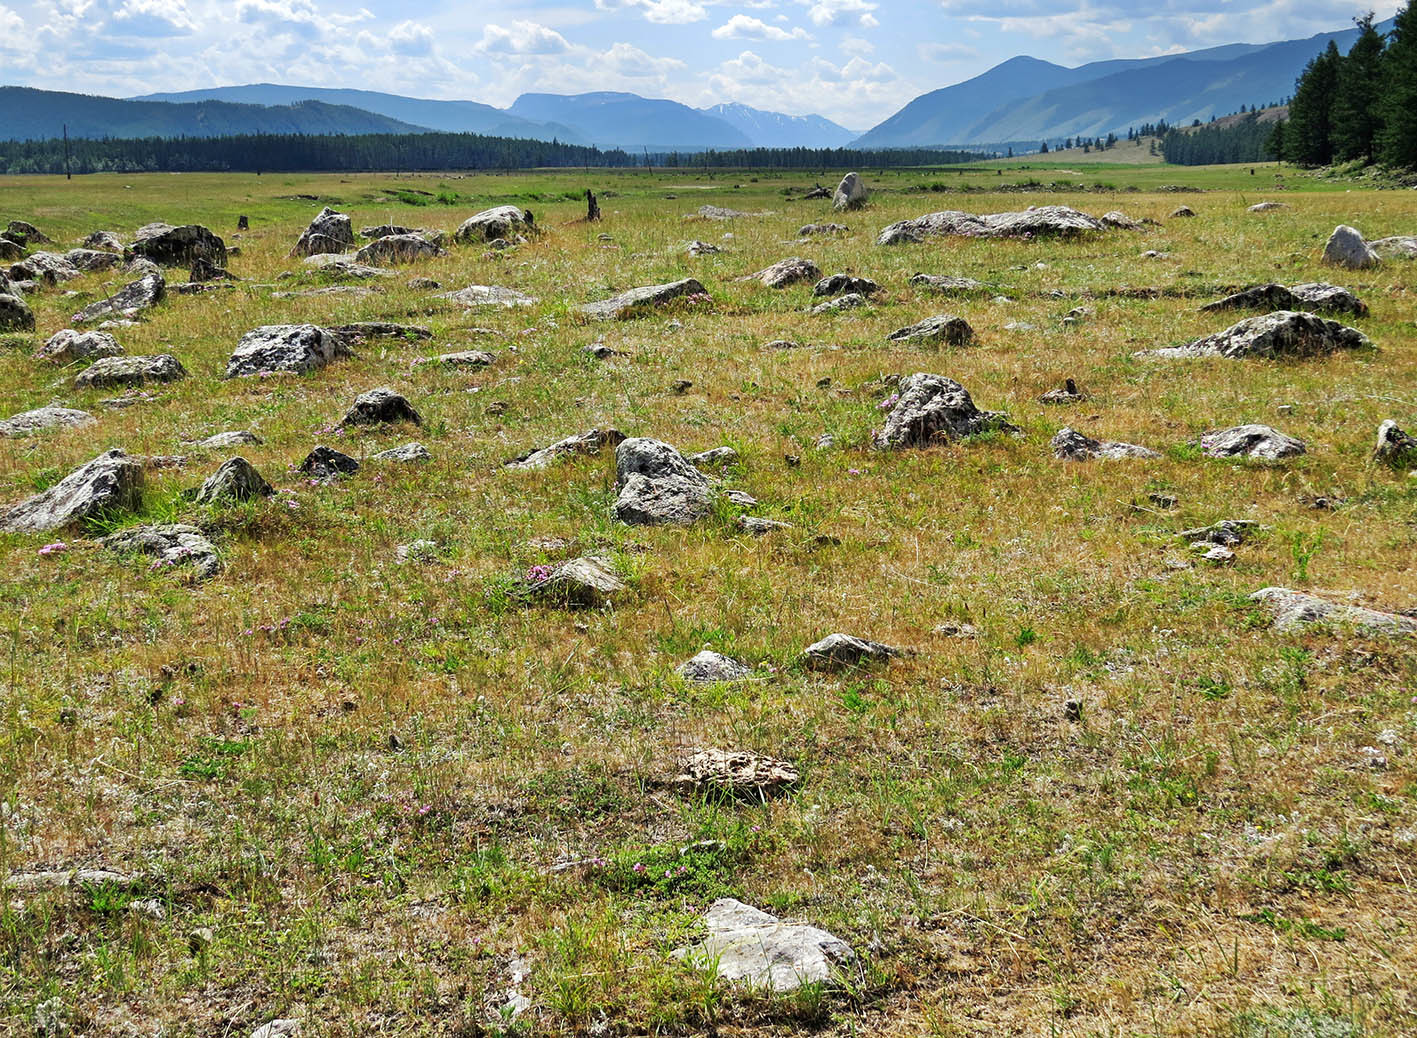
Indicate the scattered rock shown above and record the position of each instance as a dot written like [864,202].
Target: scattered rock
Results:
[1346,248]
[786,272]
[628,304]
[709,666]
[947,285]
[170,544]
[422,284]
[716,456]
[1217,555]
[489,295]
[379,406]
[736,773]
[107,372]
[813,230]
[169,246]
[204,271]
[15,314]
[758,526]
[1313,296]
[235,480]
[1394,447]
[1067,393]
[1266,207]
[956,630]
[931,409]
[135,297]
[103,241]
[43,418]
[1120,221]
[90,260]
[850,301]
[296,348]
[1227,532]
[49,268]
[584,443]
[1282,334]
[339,266]
[407,453]
[280,1028]
[111,482]
[1042,221]
[942,328]
[782,344]
[423,551]
[589,583]
[702,248]
[362,331]
[1398,247]
[327,463]
[398,248]
[223,440]
[716,212]
[849,194]
[69,346]
[1250,441]
[747,945]
[1072,445]
[460,359]
[329,232]
[26,233]
[505,221]
[837,284]
[388,230]
[1182,211]
[1295,609]
[1321,296]
[837,651]
[72,879]
[656,485]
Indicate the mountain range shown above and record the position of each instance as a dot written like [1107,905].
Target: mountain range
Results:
[1021,101]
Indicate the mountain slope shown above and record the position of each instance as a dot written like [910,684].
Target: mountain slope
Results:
[445,116]
[775,130]
[617,120]
[28,114]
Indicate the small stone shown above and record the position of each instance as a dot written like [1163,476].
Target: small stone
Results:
[68,346]
[709,666]
[837,651]
[942,328]
[1067,393]
[745,944]
[931,408]
[786,272]
[1395,447]
[236,480]
[407,453]
[378,406]
[657,485]
[589,442]
[1295,609]
[588,582]
[45,418]
[758,526]
[200,939]
[170,544]
[1071,445]
[326,463]
[110,483]
[735,772]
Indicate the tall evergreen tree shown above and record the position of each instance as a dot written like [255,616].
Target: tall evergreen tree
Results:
[1397,107]
[1310,135]
[1355,101]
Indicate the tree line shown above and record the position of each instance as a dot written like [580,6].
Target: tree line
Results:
[1358,107]
[1246,140]
[319,153]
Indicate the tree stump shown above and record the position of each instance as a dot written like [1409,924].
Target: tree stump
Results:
[592,207]
[243,224]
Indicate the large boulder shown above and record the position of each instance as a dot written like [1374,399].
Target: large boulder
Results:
[1314,296]
[129,301]
[380,406]
[328,232]
[503,221]
[26,233]
[1251,441]
[15,314]
[657,485]
[1346,248]
[398,248]
[170,545]
[107,372]
[760,950]
[786,272]
[589,442]
[941,328]
[68,346]
[236,480]
[48,268]
[1071,445]
[931,409]
[1282,334]
[1042,221]
[296,348]
[103,241]
[89,260]
[43,418]
[850,193]
[636,300]
[1395,447]
[169,246]
[1297,609]
[112,482]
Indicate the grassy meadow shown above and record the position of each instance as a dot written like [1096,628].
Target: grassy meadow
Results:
[361,791]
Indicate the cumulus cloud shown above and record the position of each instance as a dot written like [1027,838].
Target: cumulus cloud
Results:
[628,60]
[662,12]
[842,12]
[153,18]
[745,27]
[522,38]
[865,89]
[411,39]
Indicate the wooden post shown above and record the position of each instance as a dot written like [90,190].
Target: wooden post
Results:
[592,208]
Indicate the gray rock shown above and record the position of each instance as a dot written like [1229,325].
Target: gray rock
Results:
[408,452]
[738,773]
[423,551]
[716,456]
[235,480]
[111,482]
[489,295]
[931,409]
[170,544]
[1266,207]
[15,314]
[1346,248]
[379,406]
[1395,447]
[1120,221]
[68,346]
[89,260]
[224,440]
[758,526]
[589,442]
[1315,296]
[1182,211]
[849,194]
[423,284]
[942,328]
[460,359]
[709,666]
[107,372]
[657,485]
[1227,532]
[1282,334]
[296,348]
[505,221]
[631,303]
[718,212]
[1072,445]
[49,268]
[588,582]
[747,945]
[328,232]
[1326,298]
[1043,221]
[327,463]
[838,651]
[170,246]
[837,284]
[44,418]
[278,1028]
[11,251]
[1217,555]
[1297,609]
[398,248]
[26,233]
[71,879]
[786,272]
[850,301]
[947,285]
[342,267]
[363,331]
[813,230]
[1397,247]
[204,271]
[389,230]
[129,301]
[1067,393]
[702,248]
[1250,441]
[103,241]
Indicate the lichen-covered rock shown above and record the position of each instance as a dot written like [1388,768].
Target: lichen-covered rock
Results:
[1346,248]
[341,267]
[1282,334]
[459,359]
[408,452]
[47,268]
[589,442]
[111,482]
[786,272]
[326,463]
[588,583]
[329,232]
[1266,207]
[1315,296]
[850,193]
[839,651]
[1042,221]
[89,260]
[68,346]
[363,331]
[1401,246]
[27,233]
[850,301]
[169,246]
[942,328]
[737,773]
[1251,441]
[748,945]
[1395,447]
[839,284]
[128,302]
[931,409]
[1120,221]
[107,372]
[1295,609]
[708,667]
[235,480]
[44,418]
[233,438]
[296,348]
[503,221]
[170,545]
[1071,445]
[378,406]
[489,295]
[15,314]
[636,300]
[813,230]
[1182,211]
[398,248]
[657,485]
[103,241]
[947,285]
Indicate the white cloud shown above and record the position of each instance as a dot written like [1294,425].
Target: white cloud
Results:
[661,12]
[858,46]
[745,27]
[153,18]
[522,38]
[628,60]
[411,39]
[842,12]
[944,53]
[867,89]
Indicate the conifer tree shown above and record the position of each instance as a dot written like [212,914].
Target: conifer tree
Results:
[1310,134]
[1397,104]
[1355,102]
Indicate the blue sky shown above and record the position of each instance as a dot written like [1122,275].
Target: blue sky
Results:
[854,61]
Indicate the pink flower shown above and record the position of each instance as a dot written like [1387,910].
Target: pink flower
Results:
[640,867]
[54,549]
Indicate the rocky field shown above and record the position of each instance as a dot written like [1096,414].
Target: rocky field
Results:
[981,606]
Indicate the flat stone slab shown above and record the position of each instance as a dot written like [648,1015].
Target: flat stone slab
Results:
[589,442]
[1297,609]
[735,772]
[128,302]
[785,272]
[1042,221]
[489,295]
[941,328]
[839,651]
[170,545]
[1261,442]
[1282,334]
[630,303]
[107,372]
[44,418]
[1071,445]
[948,285]
[748,945]
[459,359]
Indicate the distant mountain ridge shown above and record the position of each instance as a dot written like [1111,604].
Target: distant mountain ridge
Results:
[775,130]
